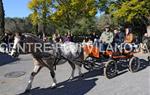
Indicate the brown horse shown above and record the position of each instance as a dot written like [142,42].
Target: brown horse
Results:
[47,59]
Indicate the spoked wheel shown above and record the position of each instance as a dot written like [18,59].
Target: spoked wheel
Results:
[110,69]
[134,64]
[148,59]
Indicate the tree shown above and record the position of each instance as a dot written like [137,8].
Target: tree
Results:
[2,18]
[134,13]
[41,12]
[18,25]
[106,19]
[68,12]
[85,26]
[24,25]
[130,10]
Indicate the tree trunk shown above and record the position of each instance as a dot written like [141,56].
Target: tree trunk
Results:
[2,22]
[36,29]
[44,30]
[44,19]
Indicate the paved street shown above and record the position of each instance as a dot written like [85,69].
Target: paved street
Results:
[93,83]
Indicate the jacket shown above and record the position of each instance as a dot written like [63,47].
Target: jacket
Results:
[107,37]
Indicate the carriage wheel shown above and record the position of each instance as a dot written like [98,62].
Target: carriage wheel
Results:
[110,69]
[148,59]
[134,64]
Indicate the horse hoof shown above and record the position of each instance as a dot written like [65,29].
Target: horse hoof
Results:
[27,91]
[53,86]
[70,79]
[81,75]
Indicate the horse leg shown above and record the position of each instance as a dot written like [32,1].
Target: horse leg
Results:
[36,69]
[79,66]
[50,65]
[73,69]
[53,77]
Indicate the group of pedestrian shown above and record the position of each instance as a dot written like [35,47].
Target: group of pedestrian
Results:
[109,36]
[67,37]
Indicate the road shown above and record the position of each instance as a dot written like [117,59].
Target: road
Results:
[93,83]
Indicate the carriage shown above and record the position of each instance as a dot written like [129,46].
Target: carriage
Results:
[111,62]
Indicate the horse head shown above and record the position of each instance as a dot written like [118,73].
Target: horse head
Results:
[27,43]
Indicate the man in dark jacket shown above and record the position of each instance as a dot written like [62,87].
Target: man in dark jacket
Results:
[121,36]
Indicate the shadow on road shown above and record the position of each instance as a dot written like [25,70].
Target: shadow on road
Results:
[77,86]
[144,64]
[5,59]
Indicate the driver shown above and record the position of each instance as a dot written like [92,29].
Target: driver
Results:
[106,38]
